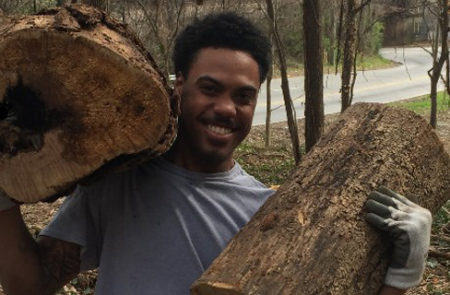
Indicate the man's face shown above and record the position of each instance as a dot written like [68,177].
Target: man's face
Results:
[218,99]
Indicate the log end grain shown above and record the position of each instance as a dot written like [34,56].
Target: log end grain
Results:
[217,288]
[77,91]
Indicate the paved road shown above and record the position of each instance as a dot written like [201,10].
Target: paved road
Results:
[407,80]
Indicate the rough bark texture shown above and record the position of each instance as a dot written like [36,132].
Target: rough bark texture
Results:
[313,55]
[311,236]
[349,52]
[438,63]
[78,95]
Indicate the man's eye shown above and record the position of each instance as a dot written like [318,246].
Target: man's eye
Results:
[208,89]
[245,98]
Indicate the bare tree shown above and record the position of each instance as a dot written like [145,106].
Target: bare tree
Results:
[339,35]
[447,75]
[439,59]
[351,11]
[290,111]
[313,53]
[330,21]
[157,24]
[349,52]
[269,100]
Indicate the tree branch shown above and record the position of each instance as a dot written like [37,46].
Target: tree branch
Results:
[362,5]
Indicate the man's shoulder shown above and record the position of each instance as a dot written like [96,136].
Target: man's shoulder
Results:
[118,176]
[246,178]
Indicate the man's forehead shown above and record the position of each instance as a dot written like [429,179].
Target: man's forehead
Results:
[225,62]
[210,79]
[220,53]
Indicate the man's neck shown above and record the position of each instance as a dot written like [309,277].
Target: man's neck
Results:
[190,161]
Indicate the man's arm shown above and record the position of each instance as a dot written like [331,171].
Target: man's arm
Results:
[30,267]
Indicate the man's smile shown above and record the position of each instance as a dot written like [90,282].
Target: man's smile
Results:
[219,130]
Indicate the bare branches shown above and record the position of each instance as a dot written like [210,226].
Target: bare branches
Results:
[339,36]
[290,110]
[362,5]
[438,59]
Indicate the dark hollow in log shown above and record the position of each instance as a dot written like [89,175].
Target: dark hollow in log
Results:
[311,236]
[79,95]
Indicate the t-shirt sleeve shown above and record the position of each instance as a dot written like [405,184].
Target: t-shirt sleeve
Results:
[74,223]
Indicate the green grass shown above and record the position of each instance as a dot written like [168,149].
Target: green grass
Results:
[422,104]
[270,165]
[373,62]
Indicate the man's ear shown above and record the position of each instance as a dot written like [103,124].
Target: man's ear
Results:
[179,82]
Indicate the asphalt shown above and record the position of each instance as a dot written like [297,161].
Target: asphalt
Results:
[408,79]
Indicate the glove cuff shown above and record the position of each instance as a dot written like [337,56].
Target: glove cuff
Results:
[403,278]
[5,202]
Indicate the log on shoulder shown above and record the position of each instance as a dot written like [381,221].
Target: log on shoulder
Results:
[78,95]
[311,236]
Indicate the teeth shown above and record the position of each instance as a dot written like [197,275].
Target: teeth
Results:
[219,130]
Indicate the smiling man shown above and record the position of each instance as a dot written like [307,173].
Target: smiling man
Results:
[155,228]
[218,99]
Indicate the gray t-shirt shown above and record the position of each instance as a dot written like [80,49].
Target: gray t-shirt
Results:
[156,228]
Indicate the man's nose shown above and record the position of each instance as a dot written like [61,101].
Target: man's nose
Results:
[225,106]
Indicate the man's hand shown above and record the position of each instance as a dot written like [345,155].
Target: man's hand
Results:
[27,267]
[409,227]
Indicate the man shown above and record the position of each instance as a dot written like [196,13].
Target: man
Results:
[155,228]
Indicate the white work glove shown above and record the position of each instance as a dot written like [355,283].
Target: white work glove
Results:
[5,202]
[409,227]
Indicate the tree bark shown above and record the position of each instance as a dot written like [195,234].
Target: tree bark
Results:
[438,62]
[311,236]
[339,37]
[269,102]
[349,52]
[313,60]
[79,96]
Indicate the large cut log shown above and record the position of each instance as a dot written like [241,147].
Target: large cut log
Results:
[79,95]
[311,236]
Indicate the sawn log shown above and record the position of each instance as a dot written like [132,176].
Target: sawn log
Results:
[311,236]
[79,95]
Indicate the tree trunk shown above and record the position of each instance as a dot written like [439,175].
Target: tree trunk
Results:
[290,110]
[331,30]
[438,59]
[447,74]
[349,52]
[355,55]
[433,99]
[269,103]
[313,52]
[339,36]
[311,236]
[79,95]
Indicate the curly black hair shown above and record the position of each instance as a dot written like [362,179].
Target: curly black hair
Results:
[223,30]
